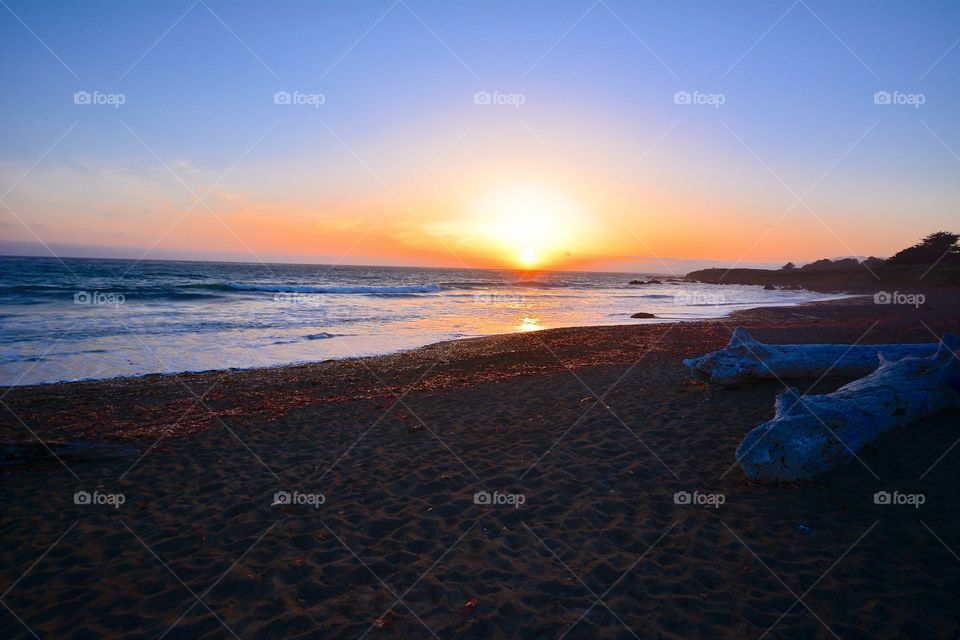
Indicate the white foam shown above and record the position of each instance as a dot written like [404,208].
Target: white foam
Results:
[299,288]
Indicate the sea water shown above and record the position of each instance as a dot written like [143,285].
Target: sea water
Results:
[74,319]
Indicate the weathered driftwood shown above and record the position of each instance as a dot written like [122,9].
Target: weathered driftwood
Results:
[811,434]
[745,359]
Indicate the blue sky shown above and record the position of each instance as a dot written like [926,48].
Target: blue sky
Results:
[598,80]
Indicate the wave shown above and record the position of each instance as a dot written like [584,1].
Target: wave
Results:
[726,304]
[543,284]
[43,295]
[507,284]
[301,288]
[195,291]
[30,288]
[473,284]
[171,295]
[319,336]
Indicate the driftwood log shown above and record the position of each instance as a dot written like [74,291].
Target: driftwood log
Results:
[811,434]
[745,360]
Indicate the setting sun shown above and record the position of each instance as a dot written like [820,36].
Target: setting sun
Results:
[530,226]
[528,258]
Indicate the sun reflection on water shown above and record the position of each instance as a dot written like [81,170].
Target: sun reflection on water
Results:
[528,323]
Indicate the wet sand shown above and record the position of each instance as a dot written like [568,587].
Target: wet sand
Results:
[593,429]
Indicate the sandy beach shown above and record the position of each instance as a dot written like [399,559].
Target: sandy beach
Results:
[580,438]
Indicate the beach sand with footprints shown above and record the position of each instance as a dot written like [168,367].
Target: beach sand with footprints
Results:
[567,483]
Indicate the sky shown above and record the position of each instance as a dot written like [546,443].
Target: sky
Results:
[597,135]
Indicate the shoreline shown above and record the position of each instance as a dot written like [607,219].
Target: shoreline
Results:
[655,320]
[462,362]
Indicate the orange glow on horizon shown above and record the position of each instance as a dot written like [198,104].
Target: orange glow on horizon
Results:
[475,217]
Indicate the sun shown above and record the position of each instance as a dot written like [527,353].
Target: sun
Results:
[528,226]
[528,258]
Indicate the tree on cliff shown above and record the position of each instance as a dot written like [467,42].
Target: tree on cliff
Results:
[936,247]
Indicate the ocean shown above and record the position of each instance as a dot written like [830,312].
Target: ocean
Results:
[96,318]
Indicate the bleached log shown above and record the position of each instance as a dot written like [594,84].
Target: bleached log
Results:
[811,434]
[745,359]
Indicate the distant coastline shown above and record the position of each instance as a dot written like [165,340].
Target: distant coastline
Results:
[934,261]
[856,280]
